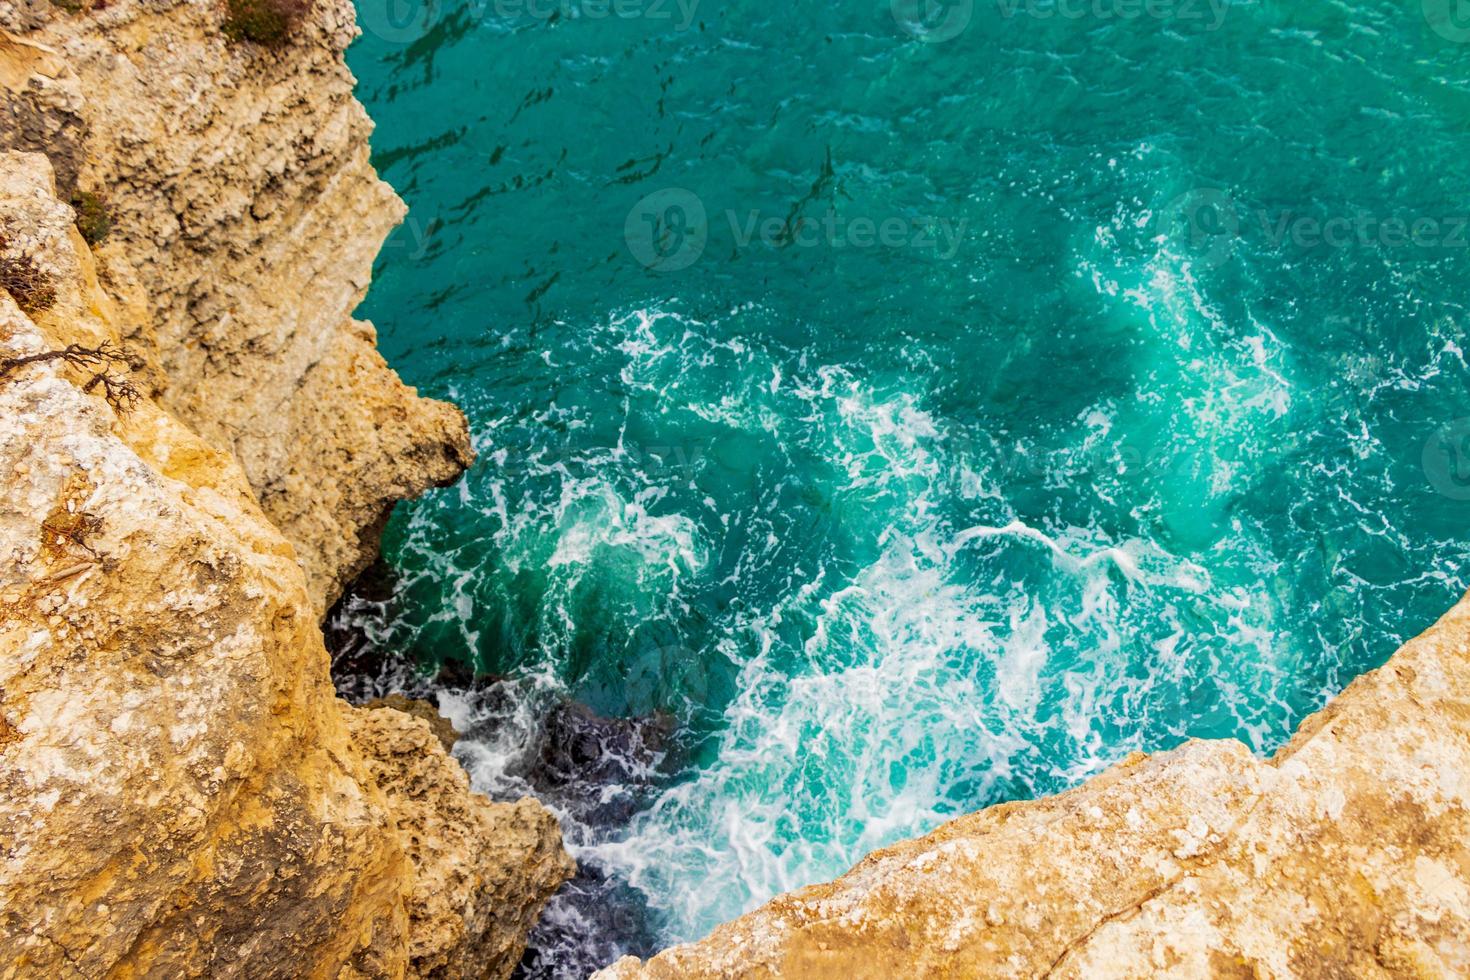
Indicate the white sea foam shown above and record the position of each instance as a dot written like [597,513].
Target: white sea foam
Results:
[931,643]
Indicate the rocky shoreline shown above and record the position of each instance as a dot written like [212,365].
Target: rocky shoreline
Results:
[246,221]
[1347,854]
[594,773]
[185,794]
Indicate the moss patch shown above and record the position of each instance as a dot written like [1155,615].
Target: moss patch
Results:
[272,23]
[94,218]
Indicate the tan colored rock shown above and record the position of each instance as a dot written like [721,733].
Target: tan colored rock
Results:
[40,106]
[484,870]
[1347,855]
[177,787]
[247,209]
[182,795]
[442,727]
[181,792]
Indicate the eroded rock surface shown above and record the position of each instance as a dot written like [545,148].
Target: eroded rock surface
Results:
[181,792]
[249,215]
[467,916]
[178,787]
[441,726]
[1347,855]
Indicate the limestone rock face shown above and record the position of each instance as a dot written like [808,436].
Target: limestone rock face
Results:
[40,106]
[1347,855]
[177,787]
[250,216]
[181,792]
[442,727]
[467,916]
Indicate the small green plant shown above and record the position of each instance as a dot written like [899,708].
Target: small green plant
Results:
[32,288]
[271,23]
[94,218]
[71,6]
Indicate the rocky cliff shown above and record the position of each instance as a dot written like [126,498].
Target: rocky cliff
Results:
[1346,855]
[247,220]
[181,793]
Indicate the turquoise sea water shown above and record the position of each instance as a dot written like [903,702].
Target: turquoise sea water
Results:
[899,408]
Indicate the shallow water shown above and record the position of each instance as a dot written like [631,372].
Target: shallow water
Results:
[902,408]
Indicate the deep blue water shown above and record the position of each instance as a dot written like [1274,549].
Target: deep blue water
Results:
[886,410]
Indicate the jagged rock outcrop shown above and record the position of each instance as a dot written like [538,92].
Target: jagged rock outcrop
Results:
[249,216]
[442,727]
[40,106]
[1346,855]
[181,792]
[467,918]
